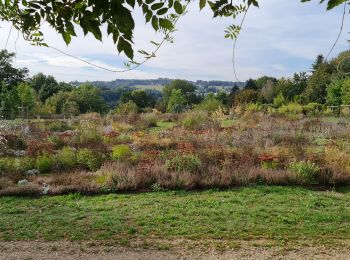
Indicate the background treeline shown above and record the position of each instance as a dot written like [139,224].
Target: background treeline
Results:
[327,83]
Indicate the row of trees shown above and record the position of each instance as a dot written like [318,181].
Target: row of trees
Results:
[42,94]
[326,83]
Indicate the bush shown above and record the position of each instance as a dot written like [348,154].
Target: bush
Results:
[290,109]
[126,108]
[44,163]
[88,159]
[66,158]
[254,108]
[184,163]
[148,120]
[198,120]
[210,105]
[121,152]
[58,126]
[313,109]
[307,171]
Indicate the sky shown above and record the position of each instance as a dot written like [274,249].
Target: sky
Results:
[279,38]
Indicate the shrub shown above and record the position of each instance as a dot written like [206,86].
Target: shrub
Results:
[126,108]
[58,126]
[121,152]
[44,163]
[148,120]
[313,109]
[254,108]
[88,159]
[210,105]
[184,163]
[198,120]
[66,158]
[307,171]
[291,109]
[124,138]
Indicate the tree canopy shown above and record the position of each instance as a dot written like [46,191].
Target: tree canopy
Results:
[115,16]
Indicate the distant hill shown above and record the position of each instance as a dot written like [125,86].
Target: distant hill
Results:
[157,84]
[111,91]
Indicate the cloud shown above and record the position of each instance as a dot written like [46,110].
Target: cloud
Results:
[279,38]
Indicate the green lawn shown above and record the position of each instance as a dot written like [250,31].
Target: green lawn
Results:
[161,126]
[274,214]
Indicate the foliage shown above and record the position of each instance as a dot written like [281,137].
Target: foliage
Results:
[313,109]
[44,163]
[184,163]
[210,104]
[88,159]
[279,100]
[316,90]
[66,158]
[148,120]
[291,109]
[140,97]
[187,90]
[196,120]
[246,96]
[126,108]
[121,152]
[334,93]
[307,171]
[8,74]
[176,102]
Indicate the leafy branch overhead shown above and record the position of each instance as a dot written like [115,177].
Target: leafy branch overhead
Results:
[93,16]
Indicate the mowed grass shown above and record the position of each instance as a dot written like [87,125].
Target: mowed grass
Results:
[276,214]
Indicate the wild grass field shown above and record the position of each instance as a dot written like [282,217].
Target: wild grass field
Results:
[94,154]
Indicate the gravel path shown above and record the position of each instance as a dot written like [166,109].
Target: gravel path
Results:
[67,250]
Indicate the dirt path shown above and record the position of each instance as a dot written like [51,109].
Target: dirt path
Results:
[66,250]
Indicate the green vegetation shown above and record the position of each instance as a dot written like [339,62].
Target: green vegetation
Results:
[256,213]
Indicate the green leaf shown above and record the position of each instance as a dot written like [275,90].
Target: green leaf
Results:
[66,37]
[162,11]
[166,24]
[155,23]
[202,4]
[178,7]
[333,3]
[157,6]
[126,47]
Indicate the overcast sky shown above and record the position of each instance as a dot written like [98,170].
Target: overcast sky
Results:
[278,39]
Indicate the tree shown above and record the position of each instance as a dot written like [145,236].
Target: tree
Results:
[268,91]
[44,85]
[316,89]
[57,101]
[318,62]
[88,99]
[140,97]
[8,74]
[27,97]
[246,96]
[177,101]
[70,107]
[187,90]
[262,81]
[251,84]
[210,104]
[334,93]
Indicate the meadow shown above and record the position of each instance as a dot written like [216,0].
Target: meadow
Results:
[195,150]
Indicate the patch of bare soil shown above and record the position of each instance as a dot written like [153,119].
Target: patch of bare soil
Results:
[63,250]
